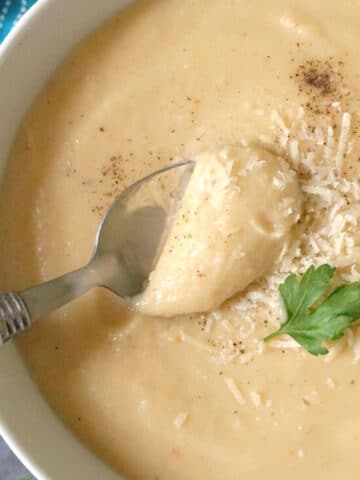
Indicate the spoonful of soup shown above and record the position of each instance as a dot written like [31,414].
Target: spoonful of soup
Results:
[181,240]
[234,222]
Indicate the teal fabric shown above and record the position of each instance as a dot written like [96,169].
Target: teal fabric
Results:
[10,13]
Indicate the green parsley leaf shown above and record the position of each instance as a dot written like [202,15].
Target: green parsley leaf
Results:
[312,319]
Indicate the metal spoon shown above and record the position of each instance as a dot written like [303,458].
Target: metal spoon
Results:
[128,243]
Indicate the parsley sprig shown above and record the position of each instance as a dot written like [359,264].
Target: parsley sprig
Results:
[312,317]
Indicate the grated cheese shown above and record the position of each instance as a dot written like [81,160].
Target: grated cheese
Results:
[195,343]
[356,346]
[208,325]
[230,383]
[319,135]
[300,453]
[256,399]
[330,382]
[335,350]
[328,234]
[180,419]
[344,135]
[226,325]
[287,343]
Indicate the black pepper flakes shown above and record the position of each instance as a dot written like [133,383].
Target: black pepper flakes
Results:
[323,82]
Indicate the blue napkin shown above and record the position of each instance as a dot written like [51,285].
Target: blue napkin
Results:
[10,13]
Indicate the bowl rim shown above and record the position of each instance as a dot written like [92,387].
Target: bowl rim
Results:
[28,423]
[6,47]
[29,56]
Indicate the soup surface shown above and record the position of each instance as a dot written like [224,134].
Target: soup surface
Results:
[199,396]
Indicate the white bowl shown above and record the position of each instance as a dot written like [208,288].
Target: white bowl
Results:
[27,58]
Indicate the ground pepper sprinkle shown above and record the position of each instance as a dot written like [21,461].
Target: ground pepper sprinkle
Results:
[323,82]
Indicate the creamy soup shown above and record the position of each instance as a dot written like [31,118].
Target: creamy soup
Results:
[198,396]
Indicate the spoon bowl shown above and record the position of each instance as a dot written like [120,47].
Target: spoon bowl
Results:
[132,232]
[128,244]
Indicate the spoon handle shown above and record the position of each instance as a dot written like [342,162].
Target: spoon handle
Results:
[14,316]
[19,310]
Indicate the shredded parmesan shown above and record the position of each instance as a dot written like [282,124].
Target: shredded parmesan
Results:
[195,343]
[300,453]
[356,346]
[256,399]
[284,344]
[180,419]
[330,382]
[230,383]
[294,151]
[208,325]
[327,233]
[344,135]
[335,350]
